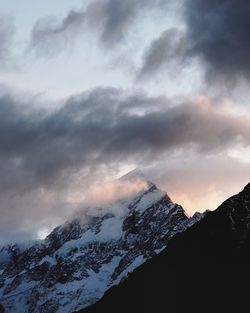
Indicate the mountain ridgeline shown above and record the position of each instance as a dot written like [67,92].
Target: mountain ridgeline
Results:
[204,269]
[80,260]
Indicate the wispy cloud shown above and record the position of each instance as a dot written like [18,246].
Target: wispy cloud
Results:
[165,51]
[7,31]
[110,20]
[50,36]
[114,18]
[100,198]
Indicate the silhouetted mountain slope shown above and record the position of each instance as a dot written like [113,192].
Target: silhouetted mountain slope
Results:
[204,269]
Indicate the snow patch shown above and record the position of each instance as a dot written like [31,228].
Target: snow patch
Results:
[149,199]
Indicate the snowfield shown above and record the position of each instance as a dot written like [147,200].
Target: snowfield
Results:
[79,261]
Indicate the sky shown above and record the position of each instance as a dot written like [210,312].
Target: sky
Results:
[90,90]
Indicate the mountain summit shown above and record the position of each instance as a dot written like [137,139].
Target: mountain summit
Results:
[135,174]
[204,269]
[81,259]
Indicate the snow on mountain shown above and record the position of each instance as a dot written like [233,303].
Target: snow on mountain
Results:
[204,269]
[81,259]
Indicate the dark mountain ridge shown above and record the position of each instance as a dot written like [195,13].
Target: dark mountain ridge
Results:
[204,269]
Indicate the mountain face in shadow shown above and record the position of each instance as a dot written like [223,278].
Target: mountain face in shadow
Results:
[204,269]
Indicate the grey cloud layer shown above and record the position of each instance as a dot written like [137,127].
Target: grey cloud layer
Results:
[46,157]
[103,127]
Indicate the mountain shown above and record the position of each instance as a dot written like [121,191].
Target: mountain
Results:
[81,259]
[204,269]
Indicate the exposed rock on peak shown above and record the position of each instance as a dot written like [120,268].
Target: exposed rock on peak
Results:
[203,269]
[79,261]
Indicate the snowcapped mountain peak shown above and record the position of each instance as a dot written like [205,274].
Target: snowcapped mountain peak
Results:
[79,261]
[133,175]
[137,177]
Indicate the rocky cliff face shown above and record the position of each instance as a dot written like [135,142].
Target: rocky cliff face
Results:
[80,260]
[204,269]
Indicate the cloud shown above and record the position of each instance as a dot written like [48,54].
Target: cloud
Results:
[48,159]
[166,50]
[50,36]
[114,18]
[200,183]
[216,36]
[7,31]
[219,34]
[99,199]
[111,19]
[113,191]
[104,126]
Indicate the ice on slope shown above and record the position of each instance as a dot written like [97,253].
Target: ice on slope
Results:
[149,199]
[111,229]
[98,253]
[88,290]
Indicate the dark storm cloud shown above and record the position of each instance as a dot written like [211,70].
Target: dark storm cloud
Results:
[217,35]
[168,48]
[50,36]
[219,31]
[103,127]
[7,30]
